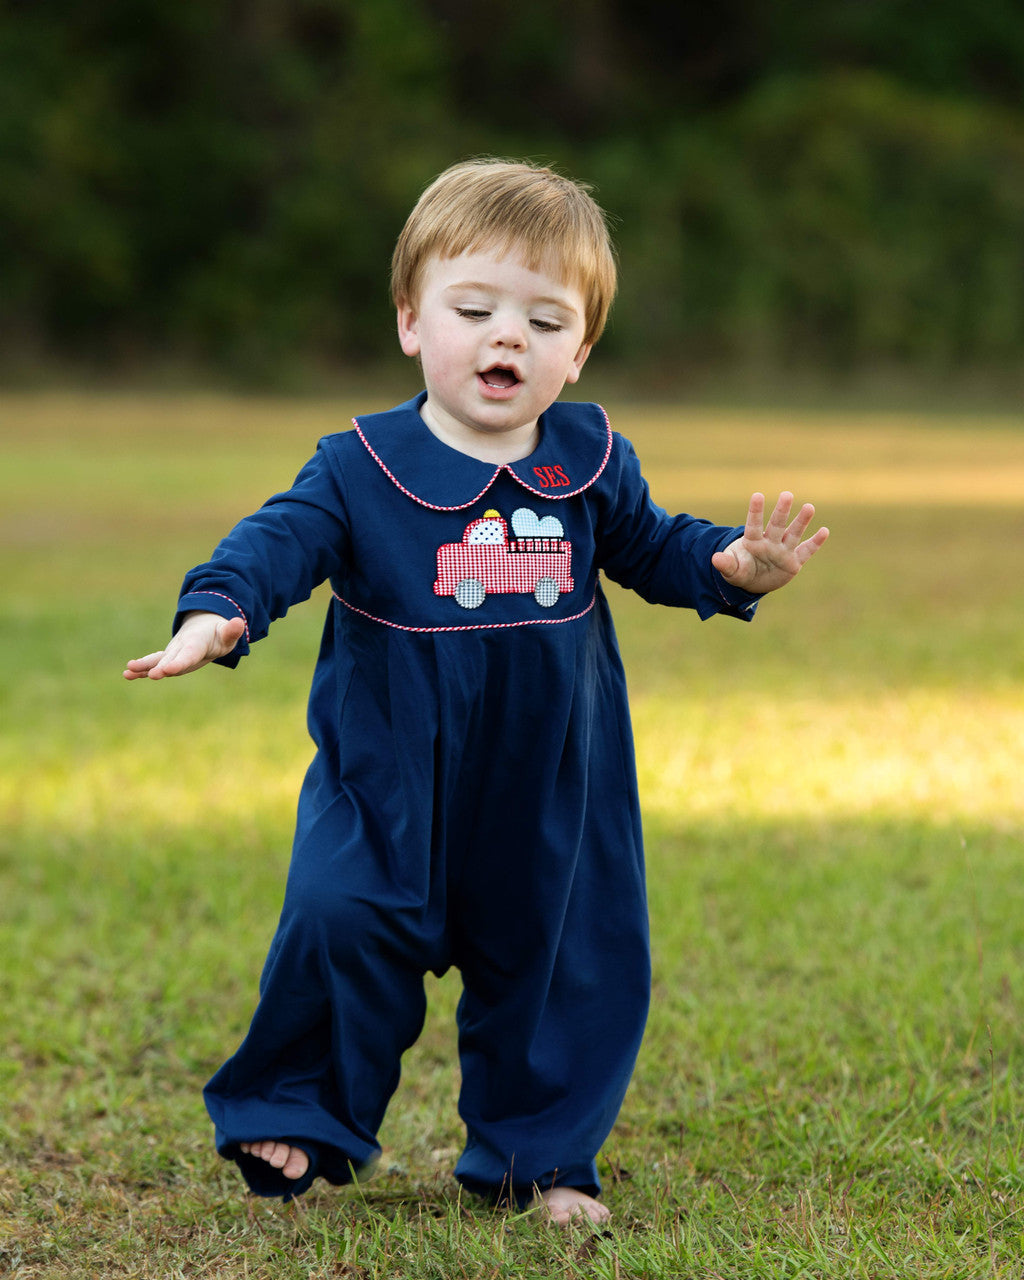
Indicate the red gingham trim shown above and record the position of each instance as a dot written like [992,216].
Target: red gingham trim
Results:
[459,506]
[472,626]
[234,603]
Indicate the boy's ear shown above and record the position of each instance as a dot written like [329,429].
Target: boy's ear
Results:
[408,330]
[578,361]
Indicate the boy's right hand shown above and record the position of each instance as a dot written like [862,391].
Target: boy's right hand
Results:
[200,638]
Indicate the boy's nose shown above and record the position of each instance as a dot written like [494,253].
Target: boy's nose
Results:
[509,333]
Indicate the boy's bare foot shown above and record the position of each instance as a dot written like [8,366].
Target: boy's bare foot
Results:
[566,1203]
[292,1161]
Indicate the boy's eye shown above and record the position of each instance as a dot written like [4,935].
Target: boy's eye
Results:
[482,313]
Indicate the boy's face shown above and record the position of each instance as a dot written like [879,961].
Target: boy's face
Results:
[497,343]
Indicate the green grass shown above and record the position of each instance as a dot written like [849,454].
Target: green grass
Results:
[831,1080]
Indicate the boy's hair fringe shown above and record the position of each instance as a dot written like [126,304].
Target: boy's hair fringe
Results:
[505,205]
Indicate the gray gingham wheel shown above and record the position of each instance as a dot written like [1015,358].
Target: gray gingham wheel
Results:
[546,592]
[470,593]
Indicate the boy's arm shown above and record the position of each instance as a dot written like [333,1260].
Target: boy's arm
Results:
[201,638]
[685,561]
[767,556]
[268,562]
[276,557]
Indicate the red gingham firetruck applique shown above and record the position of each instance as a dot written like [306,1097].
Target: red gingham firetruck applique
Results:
[537,559]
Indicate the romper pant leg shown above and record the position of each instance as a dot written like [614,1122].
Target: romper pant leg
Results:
[552,941]
[341,999]
[546,1059]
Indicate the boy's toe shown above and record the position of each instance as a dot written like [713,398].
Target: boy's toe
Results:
[292,1161]
[296,1164]
[278,1155]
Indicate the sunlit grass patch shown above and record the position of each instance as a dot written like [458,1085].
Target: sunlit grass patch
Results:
[940,756]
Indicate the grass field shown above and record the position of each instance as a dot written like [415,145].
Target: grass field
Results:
[832,1083]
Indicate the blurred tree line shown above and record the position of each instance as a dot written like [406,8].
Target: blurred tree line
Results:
[220,183]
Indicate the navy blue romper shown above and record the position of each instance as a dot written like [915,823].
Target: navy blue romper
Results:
[472,800]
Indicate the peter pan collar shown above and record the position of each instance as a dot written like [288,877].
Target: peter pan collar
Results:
[575,444]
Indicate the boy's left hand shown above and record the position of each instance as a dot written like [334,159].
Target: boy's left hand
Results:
[769,556]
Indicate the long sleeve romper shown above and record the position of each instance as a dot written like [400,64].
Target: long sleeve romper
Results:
[472,800]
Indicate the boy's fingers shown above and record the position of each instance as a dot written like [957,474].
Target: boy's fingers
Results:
[800,522]
[780,515]
[143,664]
[175,660]
[137,668]
[755,517]
[192,647]
[807,549]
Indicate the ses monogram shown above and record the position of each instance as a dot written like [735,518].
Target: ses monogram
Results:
[551,478]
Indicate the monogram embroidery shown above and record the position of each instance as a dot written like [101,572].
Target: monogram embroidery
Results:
[551,478]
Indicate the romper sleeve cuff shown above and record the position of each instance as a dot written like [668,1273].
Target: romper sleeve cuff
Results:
[735,600]
[739,603]
[225,607]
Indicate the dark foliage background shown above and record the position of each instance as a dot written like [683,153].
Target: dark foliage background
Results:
[838,184]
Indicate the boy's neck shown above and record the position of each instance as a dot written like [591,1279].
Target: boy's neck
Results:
[498,448]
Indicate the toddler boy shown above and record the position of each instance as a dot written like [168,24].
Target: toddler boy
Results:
[472,800]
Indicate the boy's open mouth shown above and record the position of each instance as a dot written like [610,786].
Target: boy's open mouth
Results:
[499,378]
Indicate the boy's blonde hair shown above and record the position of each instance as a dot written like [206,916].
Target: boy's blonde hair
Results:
[502,205]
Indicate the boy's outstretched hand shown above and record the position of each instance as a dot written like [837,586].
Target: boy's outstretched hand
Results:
[769,555]
[200,638]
